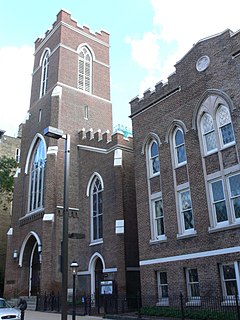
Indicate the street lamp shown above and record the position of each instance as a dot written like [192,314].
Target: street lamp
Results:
[58,134]
[74,266]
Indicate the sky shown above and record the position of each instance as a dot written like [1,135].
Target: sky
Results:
[147,38]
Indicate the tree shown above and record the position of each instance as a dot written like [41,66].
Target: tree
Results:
[8,167]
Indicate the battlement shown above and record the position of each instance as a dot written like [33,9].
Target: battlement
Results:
[65,17]
[104,140]
[162,91]
[186,71]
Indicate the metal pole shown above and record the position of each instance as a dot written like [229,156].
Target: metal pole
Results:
[74,299]
[65,228]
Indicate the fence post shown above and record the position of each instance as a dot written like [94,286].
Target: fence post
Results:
[182,309]
[45,302]
[104,305]
[138,305]
[58,302]
[37,302]
[85,304]
[237,305]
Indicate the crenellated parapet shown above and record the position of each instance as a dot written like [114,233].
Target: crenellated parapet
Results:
[65,17]
[189,69]
[104,140]
[162,91]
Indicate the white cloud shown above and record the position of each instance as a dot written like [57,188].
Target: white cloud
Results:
[15,82]
[146,50]
[181,23]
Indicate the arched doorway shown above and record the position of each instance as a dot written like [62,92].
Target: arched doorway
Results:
[98,278]
[30,262]
[34,272]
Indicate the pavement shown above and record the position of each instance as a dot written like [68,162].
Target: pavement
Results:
[37,315]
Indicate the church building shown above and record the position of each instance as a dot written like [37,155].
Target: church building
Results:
[187,146]
[71,94]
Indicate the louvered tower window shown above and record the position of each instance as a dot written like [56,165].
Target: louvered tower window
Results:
[45,64]
[85,70]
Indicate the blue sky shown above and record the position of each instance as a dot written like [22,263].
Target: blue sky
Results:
[147,38]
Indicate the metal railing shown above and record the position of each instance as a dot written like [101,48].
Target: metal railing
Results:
[178,306]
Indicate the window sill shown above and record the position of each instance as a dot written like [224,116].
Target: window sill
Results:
[224,227]
[156,241]
[229,302]
[194,303]
[94,243]
[179,165]
[187,235]
[154,175]
[30,213]
[230,144]
[162,302]
[210,153]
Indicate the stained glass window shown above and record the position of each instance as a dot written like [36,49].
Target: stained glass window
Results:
[37,177]
[97,209]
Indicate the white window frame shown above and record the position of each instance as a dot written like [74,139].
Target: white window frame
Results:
[190,284]
[85,70]
[180,212]
[176,147]
[99,215]
[232,220]
[213,112]
[213,202]
[204,134]
[162,301]
[222,145]
[231,198]
[154,230]
[44,76]
[223,281]
[151,159]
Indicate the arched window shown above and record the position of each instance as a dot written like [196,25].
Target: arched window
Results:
[208,133]
[154,165]
[96,209]
[85,70]
[217,134]
[36,174]
[44,79]
[179,147]
[225,128]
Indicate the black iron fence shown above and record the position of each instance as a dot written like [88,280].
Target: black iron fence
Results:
[183,307]
[174,307]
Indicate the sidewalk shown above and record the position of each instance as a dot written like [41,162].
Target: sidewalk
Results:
[36,315]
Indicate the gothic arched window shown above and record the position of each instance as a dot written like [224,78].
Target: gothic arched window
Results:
[85,70]
[36,182]
[208,133]
[225,127]
[96,209]
[44,79]
[179,147]
[154,166]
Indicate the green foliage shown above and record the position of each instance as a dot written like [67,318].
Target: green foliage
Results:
[200,314]
[8,167]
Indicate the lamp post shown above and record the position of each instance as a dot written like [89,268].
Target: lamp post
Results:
[58,134]
[74,266]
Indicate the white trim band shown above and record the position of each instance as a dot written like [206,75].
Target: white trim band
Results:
[196,255]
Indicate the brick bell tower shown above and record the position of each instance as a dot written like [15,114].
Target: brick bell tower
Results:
[70,91]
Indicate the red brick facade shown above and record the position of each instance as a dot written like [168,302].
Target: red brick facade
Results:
[37,232]
[206,236]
